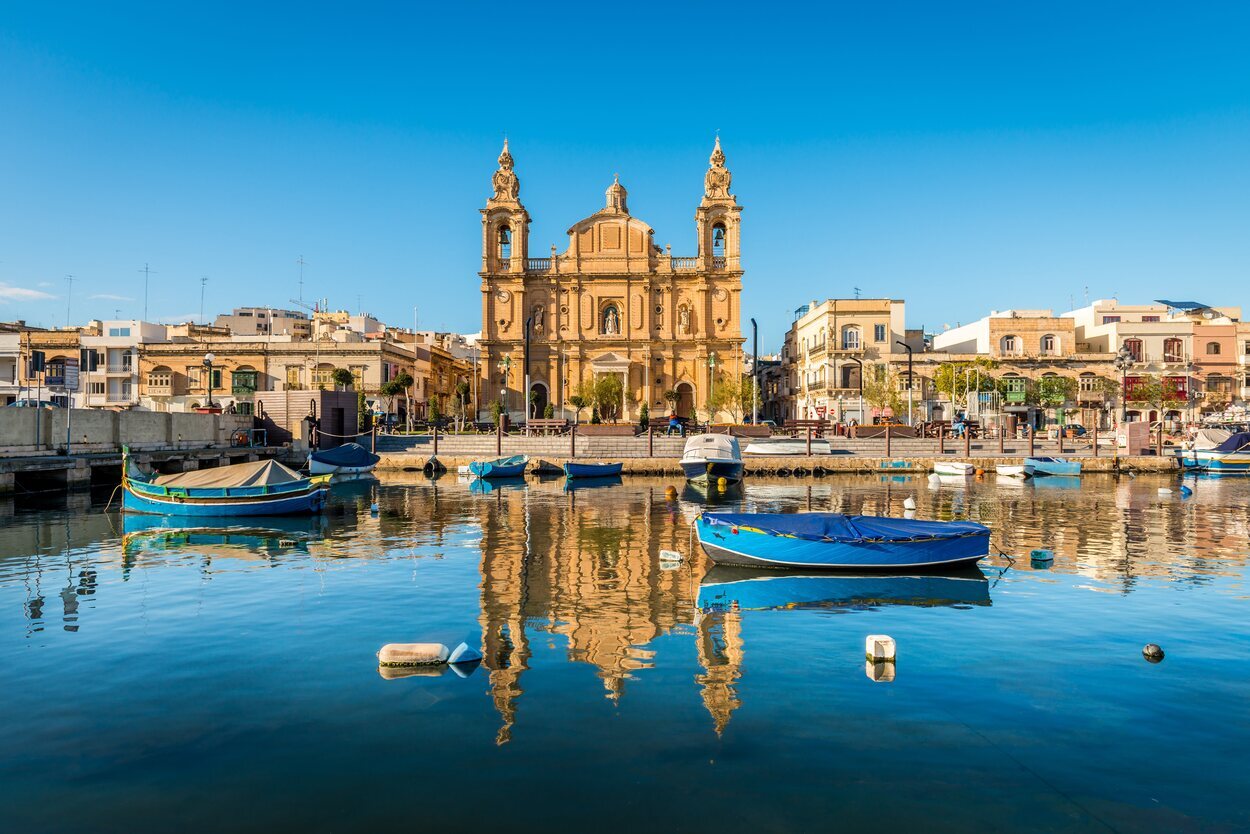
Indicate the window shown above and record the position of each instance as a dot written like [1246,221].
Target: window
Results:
[718,241]
[323,376]
[358,377]
[95,388]
[1173,350]
[243,314]
[244,408]
[1050,344]
[1149,319]
[850,338]
[294,373]
[878,332]
[161,377]
[1015,389]
[194,380]
[1011,344]
[1110,319]
[1134,348]
[243,382]
[1213,348]
[119,331]
[1087,383]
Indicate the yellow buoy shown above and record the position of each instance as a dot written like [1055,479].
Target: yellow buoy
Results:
[670,492]
[721,483]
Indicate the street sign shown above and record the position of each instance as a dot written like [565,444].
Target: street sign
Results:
[71,375]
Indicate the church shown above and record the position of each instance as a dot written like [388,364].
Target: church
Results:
[614,302]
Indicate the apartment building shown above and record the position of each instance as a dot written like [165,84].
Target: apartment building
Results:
[266,321]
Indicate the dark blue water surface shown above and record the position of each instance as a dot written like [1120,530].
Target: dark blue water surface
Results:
[157,679]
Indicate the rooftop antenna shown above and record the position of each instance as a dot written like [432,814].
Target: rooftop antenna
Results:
[359,307]
[69,295]
[146,273]
[300,260]
[1087,295]
[203,284]
[856,293]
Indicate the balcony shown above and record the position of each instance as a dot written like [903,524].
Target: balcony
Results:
[120,368]
[160,390]
[685,264]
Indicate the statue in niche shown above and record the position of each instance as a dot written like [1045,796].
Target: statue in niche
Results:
[539,314]
[683,319]
[611,321]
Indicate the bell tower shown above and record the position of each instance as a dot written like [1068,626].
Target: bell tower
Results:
[718,217]
[505,222]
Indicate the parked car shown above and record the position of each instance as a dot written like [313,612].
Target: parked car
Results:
[28,403]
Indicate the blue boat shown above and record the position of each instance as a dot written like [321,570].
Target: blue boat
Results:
[348,459]
[574,469]
[752,589]
[512,467]
[245,489]
[1053,466]
[1232,457]
[839,542]
[573,484]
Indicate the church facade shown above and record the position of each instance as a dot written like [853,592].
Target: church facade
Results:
[613,303]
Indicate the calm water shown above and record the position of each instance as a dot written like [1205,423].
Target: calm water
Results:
[156,680]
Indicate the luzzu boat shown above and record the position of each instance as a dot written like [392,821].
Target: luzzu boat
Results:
[954,467]
[839,542]
[1229,458]
[1054,466]
[510,467]
[244,489]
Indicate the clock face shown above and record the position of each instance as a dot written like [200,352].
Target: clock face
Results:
[503,295]
[720,294]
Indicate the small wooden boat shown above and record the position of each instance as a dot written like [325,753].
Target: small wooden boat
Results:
[348,459]
[576,484]
[511,467]
[1014,470]
[577,469]
[726,588]
[787,446]
[839,542]
[710,457]
[954,467]
[245,489]
[1054,466]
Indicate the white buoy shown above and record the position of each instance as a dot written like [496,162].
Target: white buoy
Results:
[881,672]
[909,513]
[670,556]
[909,503]
[412,654]
[1165,491]
[879,647]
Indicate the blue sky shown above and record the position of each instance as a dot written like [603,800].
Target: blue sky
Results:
[960,156]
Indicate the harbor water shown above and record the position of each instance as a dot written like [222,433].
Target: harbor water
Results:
[158,678]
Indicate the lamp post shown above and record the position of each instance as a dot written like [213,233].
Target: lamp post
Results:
[711,383]
[208,364]
[755,373]
[505,365]
[907,348]
[860,363]
[1122,363]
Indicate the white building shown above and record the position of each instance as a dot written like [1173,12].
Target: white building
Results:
[115,382]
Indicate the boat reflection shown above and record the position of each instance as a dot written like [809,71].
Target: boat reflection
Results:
[750,589]
[711,494]
[576,484]
[1056,482]
[485,486]
[207,535]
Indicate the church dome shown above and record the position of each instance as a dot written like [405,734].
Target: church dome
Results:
[616,195]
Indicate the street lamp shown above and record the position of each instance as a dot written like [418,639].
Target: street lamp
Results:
[1123,362]
[208,364]
[907,348]
[506,366]
[860,363]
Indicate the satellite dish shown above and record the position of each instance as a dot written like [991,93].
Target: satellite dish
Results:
[1208,314]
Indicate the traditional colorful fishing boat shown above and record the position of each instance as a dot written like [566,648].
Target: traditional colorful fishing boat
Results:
[1054,466]
[245,489]
[348,459]
[837,541]
[710,457]
[510,467]
[578,469]
[752,589]
[1228,458]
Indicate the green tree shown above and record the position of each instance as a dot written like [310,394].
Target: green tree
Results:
[434,413]
[362,411]
[608,391]
[881,388]
[462,403]
[395,387]
[1156,392]
[579,404]
[1055,392]
[718,399]
[672,398]
[956,379]
[496,412]
[342,378]
[549,411]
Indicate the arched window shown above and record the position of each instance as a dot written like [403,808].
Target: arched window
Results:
[1134,348]
[718,240]
[1213,348]
[1050,344]
[610,320]
[1010,344]
[1173,350]
[850,338]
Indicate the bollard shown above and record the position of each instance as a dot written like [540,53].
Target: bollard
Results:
[650,442]
[887,440]
[499,437]
[1032,435]
[1095,440]
[436,440]
[1001,433]
[809,441]
[941,440]
[1060,435]
[1159,442]
[373,438]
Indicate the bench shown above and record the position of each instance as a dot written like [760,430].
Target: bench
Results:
[546,425]
[797,427]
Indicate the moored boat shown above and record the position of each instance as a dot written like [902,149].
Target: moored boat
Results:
[839,542]
[753,589]
[510,467]
[1014,470]
[579,469]
[787,446]
[348,459]
[710,457]
[1230,457]
[1054,466]
[954,467]
[244,489]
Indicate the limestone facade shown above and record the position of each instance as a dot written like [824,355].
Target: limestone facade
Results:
[614,302]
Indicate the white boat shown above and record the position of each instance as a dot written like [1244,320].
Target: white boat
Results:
[954,467]
[1015,470]
[787,446]
[709,457]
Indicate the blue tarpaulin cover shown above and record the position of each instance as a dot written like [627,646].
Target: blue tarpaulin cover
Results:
[1236,443]
[349,454]
[847,528]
